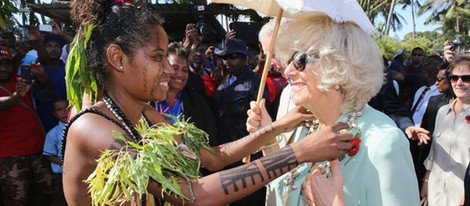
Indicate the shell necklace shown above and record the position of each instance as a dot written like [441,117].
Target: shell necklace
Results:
[324,166]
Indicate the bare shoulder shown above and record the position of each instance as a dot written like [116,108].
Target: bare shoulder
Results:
[92,132]
[86,138]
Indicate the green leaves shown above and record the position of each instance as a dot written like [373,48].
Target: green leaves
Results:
[156,157]
[78,77]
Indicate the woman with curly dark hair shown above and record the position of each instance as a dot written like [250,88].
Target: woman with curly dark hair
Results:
[125,47]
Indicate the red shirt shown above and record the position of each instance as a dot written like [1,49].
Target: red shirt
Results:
[20,131]
[210,84]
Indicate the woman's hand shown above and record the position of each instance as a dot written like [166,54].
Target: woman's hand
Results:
[327,143]
[258,116]
[418,133]
[319,191]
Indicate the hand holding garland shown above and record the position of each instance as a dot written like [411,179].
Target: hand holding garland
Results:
[229,185]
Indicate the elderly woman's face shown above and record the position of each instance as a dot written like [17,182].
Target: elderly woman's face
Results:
[460,80]
[304,82]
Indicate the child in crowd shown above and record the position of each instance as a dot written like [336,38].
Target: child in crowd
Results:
[53,146]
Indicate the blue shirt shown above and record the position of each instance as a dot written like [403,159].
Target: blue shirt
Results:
[381,173]
[57,75]
[53,145]
[174,109]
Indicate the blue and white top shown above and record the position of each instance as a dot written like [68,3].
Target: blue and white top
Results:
[53,145]
[381,173]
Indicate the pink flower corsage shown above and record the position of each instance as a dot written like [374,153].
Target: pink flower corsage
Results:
[468,119]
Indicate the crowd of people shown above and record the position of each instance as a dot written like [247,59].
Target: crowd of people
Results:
[338,124]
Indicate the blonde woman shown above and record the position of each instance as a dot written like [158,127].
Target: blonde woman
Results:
[334,69]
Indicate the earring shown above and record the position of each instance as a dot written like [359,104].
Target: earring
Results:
[337,87]
[121,67]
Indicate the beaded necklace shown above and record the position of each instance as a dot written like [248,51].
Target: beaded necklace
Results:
[117,112]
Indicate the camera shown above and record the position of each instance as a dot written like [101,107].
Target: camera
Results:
[455,43]
[205,30]
[26,74]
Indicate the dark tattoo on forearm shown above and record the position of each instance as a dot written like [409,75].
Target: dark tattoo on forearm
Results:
[274,166]
[280,162]
[241,174]
[253,135]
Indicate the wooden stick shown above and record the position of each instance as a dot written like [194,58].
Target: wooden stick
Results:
[267,64]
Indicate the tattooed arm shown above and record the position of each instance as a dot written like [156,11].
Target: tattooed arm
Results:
[230,185]
[236,150]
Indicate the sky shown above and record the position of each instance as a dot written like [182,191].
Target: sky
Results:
[408,26]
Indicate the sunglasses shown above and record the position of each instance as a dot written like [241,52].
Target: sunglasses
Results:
[232,56]
[439,79]
[455,78]
[300,60]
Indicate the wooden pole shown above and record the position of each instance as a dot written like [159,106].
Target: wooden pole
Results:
[267,64]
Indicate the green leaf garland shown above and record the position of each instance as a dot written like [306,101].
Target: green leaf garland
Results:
[156,157]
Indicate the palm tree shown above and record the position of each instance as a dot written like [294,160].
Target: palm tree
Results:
[413,4]
[454,14]
[378,8]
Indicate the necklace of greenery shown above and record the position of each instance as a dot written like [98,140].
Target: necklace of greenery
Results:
[155,156]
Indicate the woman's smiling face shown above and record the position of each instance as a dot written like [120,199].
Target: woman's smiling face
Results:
[180,77]
[304,82]
[152,69]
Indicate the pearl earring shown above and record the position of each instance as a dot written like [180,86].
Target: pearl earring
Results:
[337,87]
[121,67]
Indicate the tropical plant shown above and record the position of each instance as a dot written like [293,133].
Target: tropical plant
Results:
[7,9]
[378,9]
[454,15]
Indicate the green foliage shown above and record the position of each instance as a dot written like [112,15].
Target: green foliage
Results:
[156,158]
[430,41]
[7,9]
[78,78]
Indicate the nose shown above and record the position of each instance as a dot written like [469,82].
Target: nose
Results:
[290,71]
[273,63]
[179,73]
[167,68]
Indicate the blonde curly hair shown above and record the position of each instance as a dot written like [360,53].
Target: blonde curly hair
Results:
[347,56]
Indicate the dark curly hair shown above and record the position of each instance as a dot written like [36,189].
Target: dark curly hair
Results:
[125,25]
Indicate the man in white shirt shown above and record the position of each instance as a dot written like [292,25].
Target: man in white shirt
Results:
[422,95]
